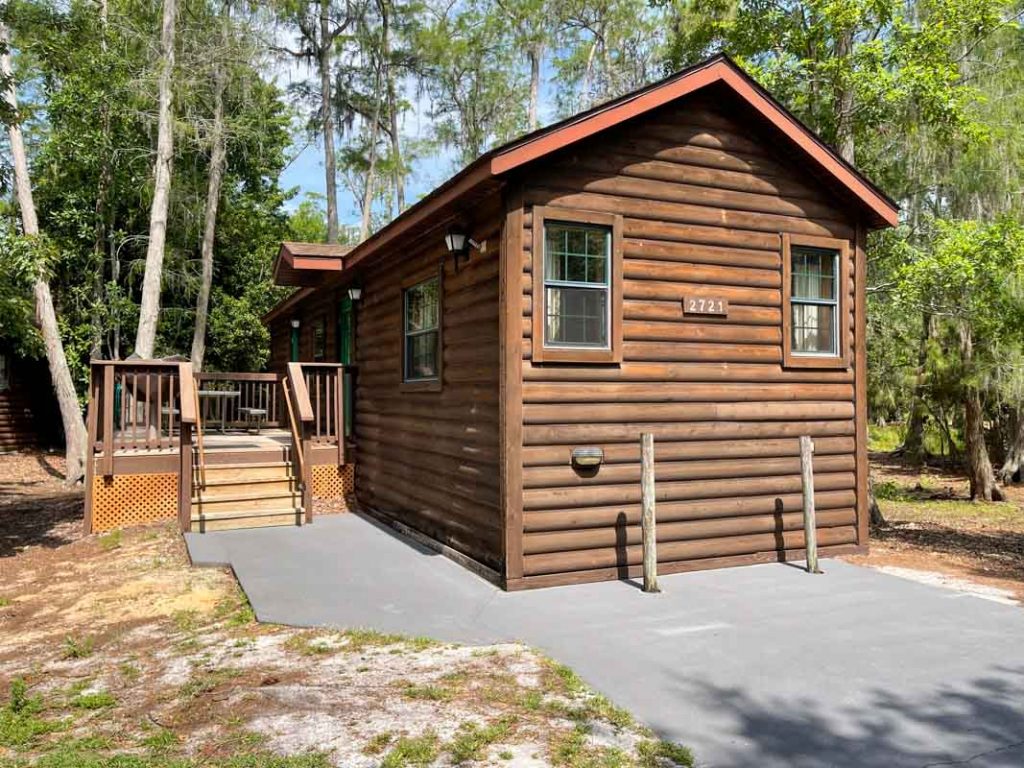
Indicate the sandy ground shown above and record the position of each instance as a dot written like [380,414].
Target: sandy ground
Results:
[934,533]
[112,645]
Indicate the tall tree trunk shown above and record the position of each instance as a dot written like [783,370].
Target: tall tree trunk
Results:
[913,441]
[380,96]
[149,310]
[63,385]
[979,467]
[327,121]
[218,158]
[1013,467]
[536,53]
[396,148]
[844,103]
[100,228]
[371,171]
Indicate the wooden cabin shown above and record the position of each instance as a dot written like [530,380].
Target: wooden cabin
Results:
[687,260]
[29,416]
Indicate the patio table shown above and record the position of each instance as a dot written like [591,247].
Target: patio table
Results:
[219,396]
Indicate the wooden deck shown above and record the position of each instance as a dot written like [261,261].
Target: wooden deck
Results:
[214,440]
[169,442]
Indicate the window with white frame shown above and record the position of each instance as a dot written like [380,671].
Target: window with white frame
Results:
[814,299]
[577,285]
[422,323]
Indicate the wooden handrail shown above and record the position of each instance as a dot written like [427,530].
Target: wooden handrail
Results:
[298,387]
[296,439]
[187,392]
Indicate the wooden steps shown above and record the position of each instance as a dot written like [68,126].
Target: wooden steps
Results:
[246,496]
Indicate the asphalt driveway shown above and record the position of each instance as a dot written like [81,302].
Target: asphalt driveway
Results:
[759,666]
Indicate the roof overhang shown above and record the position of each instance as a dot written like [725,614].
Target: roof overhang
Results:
[303,264]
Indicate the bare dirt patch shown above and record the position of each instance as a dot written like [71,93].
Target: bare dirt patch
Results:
[112,646]
[933,526]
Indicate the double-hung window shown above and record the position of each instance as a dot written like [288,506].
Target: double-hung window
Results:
[814,276]
[421,360]
[577,286]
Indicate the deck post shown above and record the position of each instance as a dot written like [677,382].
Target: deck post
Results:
[108,420]
[185,477]
[307,474]
[810,526]
[647,519]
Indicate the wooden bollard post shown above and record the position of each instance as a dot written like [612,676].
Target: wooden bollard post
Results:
[807,478]
[647,522]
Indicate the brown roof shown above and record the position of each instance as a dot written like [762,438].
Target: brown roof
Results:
[332,250]
[300,264]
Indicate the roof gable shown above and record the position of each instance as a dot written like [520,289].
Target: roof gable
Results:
[487,173]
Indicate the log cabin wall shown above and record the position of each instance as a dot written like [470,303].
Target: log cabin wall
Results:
[705,202]
[319,310]
[429,459]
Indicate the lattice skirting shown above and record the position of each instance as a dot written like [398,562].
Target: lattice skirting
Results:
[334,482]
[133,500]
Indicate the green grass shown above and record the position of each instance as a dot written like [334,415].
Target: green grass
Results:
[885,439]
[96,700]
[206,681]
[472,739]
[20,721]
[110,541]
[653,754]
[161,741]
[78,647]
[378,743]
[5,602]
[421,750]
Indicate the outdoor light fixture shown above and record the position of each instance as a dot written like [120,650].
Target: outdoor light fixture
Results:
[355,293]
[588,457]
[458,244]
[295,323]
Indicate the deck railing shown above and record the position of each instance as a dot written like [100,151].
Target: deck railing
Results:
[325,385]
[146,406]
[135,406]
[255,390]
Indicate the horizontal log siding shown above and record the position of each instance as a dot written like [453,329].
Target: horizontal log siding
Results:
[704,203]
[430,459]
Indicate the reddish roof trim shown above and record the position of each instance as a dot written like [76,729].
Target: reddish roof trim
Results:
[533,146]
[719,69]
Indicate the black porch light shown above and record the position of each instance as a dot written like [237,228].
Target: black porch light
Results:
[458,244]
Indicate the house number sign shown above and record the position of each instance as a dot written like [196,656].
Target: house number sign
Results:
[705,305]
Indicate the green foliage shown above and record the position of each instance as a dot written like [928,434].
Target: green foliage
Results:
[20,723]
[408,751]
[653,754]
[95,700]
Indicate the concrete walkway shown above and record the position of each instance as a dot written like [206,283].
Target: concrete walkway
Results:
[760,666]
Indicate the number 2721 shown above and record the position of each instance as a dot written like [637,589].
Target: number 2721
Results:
[705,305]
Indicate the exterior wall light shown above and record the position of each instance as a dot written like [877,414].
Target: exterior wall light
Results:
[355,293]
[296,323]
[458,244]
[588,457]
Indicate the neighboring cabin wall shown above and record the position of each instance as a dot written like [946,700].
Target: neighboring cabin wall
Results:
[430,459]
[704,205]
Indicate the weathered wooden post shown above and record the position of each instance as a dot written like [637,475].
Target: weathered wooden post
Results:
[647,522]
[807,477]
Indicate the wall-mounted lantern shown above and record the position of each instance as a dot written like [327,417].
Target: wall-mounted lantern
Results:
[458,244]
[355,293]
[588,457]
[296,323]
